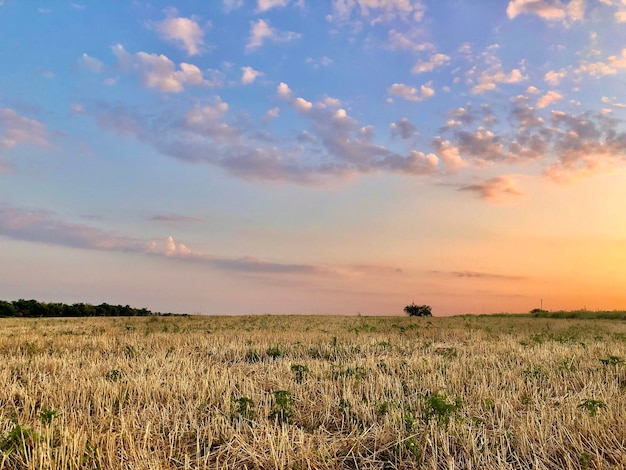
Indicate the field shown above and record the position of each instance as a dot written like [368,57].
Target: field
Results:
[312,392]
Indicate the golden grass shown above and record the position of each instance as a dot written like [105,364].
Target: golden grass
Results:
[363,392]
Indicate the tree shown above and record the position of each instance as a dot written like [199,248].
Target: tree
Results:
[418,310]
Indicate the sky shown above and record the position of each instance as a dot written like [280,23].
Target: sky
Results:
[314,156]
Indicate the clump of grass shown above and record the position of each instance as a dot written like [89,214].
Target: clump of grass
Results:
[299,372]
[612,361]
[274,352]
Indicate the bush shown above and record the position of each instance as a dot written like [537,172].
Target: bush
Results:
[418,310]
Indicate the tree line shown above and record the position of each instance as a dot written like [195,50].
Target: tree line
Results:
[35,309]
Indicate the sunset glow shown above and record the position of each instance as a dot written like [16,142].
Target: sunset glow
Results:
[323,157]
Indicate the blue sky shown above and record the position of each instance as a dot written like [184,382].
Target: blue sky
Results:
[291,156]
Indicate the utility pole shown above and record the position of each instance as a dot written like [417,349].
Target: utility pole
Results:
[541,304]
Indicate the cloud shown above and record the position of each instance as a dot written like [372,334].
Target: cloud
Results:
[584,145]
[494,189]
[480,275]
[378,10]
[493,73]
[16,129]
[158,71]
[317,63]
[186,33]
[232,4]
[400,41]
[260,31]
[554,78]
[404,128]
[435,61]
[173,218]
[272,113]
[264,5]
[551,10]
[249,75]
[412,94]
[45,227]
[302,105]
[284,91]
[90,63]
[548,99]
[620,16]
[449,153]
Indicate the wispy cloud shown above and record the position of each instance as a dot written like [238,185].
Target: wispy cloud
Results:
[551,10]
[16,129]
[38,226]
[261,31]
[174,218]
[494,189]
[480,275]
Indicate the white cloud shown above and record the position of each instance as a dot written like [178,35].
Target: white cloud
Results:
[554,78]
[435,61]
[249,75]
[548,99]
[379,10]
[412,94]
[260,31]
[302,105]
[551,10]
[284,91]
[185,32]
[400,41]
[158,71]
[532,90]
[489,79]
[449,153]
[90,63]
[494,74]
[264,5]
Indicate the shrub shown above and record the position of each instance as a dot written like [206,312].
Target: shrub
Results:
[418,310]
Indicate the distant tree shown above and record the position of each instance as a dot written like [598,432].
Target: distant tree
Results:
[418,310]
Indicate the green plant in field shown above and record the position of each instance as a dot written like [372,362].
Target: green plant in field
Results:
[129,351]
[299,371]
[282,410]
[252,356]
[114,375]
[18,438]
[612,361]
[410,446]
[584,460]
[357,372]
[436,406]
[243,408]
[274,352]
[447,353]
[592,406]
[537,373]
[46,416]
